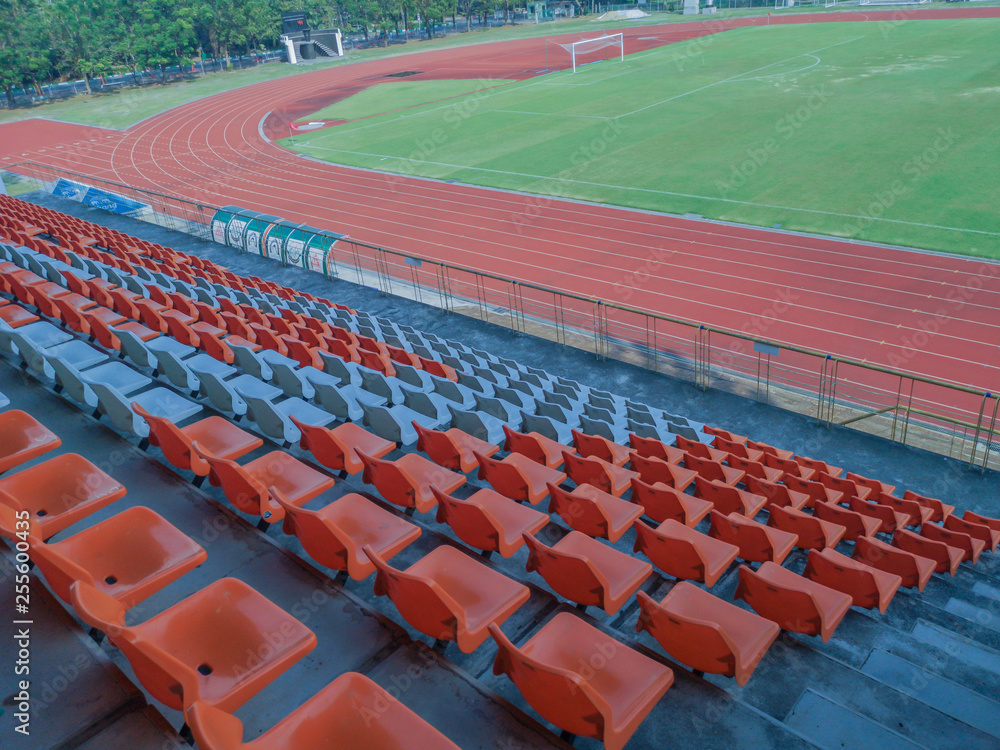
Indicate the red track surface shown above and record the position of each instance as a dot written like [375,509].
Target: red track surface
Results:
[922,313]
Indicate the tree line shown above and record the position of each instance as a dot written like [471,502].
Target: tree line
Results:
[49,40]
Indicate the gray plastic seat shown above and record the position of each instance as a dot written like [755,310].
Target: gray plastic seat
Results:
[593,412]
[492,377]
[528,389]
[569,405]
[348,372]
[616,433]
[77,384]
[613,405]
[4,401]
[522,401]
[143,353]
[396,423]
[550,428]
[186,373]
[79,354]
[429,404]
[272,417]
[647,430]
[223,395]
[557,413]
[293,380]
[475,383]
[259,363]
[460,396]
[417,378]
[381,385]
[160,402]
[479,424]
[41,334]
[344,401]
[502,410]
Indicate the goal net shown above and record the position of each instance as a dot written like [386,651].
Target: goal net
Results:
[607,47]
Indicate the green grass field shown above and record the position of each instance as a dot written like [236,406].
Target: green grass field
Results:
[885,132]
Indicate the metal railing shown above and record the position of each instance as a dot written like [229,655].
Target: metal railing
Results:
[943,417]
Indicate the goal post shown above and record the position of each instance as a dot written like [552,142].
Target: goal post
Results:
[597,49]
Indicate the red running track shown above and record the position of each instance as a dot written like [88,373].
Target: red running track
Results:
[926,314]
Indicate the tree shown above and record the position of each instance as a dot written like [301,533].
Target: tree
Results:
[24,53]
[82,30]
[431,12]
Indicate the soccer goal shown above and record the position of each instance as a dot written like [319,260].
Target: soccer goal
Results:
[587,51]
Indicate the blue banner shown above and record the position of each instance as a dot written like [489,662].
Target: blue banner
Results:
[68,189]
[114,203]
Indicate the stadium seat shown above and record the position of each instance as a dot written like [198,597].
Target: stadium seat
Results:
[273,418]
[552,671]
[754,470]
[653,448]
[843,485]
[225,395]
[728,499]
[756,542]
[662,502]
[914,570]
[217,436]
[350,712]
[655,470]
[129,556]
[596,446]
[396,422]
[336,534]
[816,491]
[22,438]
[586,571]
[518,477]
[453,449]
[449,595]
[246,486]
[593,512]
[775,494]
[988,536]
[489,521]
[917,513]
[874,485]
[941,511]
[408,480]
[197,649]
[793,602]
[602,474]
[971,547]
[340,448]
[714,471]
[684,553]
[788,466]
[76,384]
[59,491]
[707,633]
[854,523]
[889,519]
[867,586]
[737,448]
[993,523]
[536,446]
[700,450]
[946,557]
[812,532]
[819,466]
[160,402]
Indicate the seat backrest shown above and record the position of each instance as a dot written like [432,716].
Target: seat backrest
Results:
[134,347]
[69,378]
[587,471]
[176,446]
[815,490]
[772,491]
[692,640]
[592,445]
[239,487]
[652,470]
[660,501]
[289,380]
[394,484]
[694,447]
[730,446]
[269,419]
[526,445]
[421,601]
[541,424]
[119,410]
[581,513]
[726,499]
[321,538]
[762,595]
[505,478]
[807,527]
[570,575]
[664,547]
[597,427]
[559,695]
[249,362]
[472,524]
[222,396]
[648,447]
[176,371]
[438,445]
[705,467]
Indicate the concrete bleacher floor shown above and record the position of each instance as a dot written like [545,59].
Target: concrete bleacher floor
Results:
[925,674]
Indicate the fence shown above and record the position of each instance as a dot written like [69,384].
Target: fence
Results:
[950,419]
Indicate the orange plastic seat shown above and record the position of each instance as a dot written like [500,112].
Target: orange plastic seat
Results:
[776,494]
[408,480]
[816,491]
[756,542]
[340,448]
[587,572]
[600,447]
[868,587]
[489,521]
[844,486]
[335,536]
[217,436]
[653,448]
[602,474]
[16,316]
[988,536]
[941,510]
[738,449]
[793,602]
[59,492]
[218,645]
[453,449]
[701,450]
[889,518]
[946,557]
[754,469]
[971,547]
[788,466]
[819,466]
[439,369]
[914,570]
[661,503]
[535,446]
[449,595]
[350,712]
[993,523]
[917,513]
[656,470]
[874,485]
[684,553]
[519,478]
[246,486]
[22,438]
[553,672]
[594,512]
[129,556]
[707,633]
[813,532]
[727,499]
[854,523]
[713,470]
